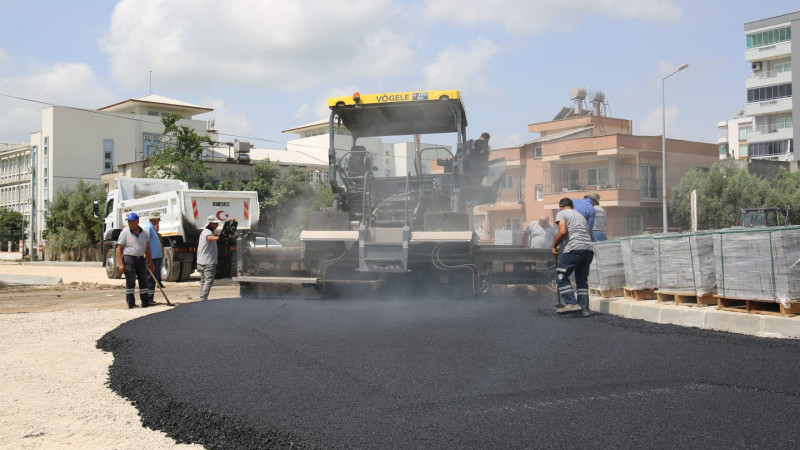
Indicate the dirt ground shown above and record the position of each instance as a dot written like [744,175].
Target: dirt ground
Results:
[53,391]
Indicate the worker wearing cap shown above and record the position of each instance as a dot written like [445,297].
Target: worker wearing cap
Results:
[599,228]
[133,250]
[207,256]
[156,252]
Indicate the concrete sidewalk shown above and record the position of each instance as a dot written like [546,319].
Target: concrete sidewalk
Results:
[707,317]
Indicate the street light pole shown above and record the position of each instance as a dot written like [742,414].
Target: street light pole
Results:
[664,145]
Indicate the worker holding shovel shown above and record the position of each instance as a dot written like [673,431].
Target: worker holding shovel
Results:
[156,253]
[576,257]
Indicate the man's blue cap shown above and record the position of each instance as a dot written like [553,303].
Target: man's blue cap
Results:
[132,217]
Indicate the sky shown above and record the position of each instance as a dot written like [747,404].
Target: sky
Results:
[267,66]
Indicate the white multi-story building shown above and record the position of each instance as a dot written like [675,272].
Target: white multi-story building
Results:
[16,179]
[79,144]
[733,137]
[769,90]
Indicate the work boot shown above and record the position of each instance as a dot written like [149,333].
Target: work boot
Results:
[587,313]
[572,307]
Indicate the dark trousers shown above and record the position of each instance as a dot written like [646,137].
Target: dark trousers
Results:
[151,283]
[135,269]
[577,261]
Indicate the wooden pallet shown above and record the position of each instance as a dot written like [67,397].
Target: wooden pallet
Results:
[686,298]
[756,306]
[606,293]
[639,294]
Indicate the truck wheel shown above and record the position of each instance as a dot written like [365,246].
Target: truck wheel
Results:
[170,269]
[112,268]
[186,270]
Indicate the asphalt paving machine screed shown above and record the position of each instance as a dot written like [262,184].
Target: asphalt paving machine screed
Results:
[402,218]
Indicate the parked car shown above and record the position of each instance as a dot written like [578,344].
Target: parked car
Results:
[263,241]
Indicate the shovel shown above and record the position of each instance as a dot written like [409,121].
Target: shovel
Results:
[558,294]
[158,283]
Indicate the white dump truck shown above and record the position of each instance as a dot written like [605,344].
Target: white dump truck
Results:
[184,213]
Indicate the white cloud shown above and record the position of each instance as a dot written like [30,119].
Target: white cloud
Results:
[511,140]
[652,123]
[285,44]
[4,58]
[535,16]
[69,84]
[462,67]
[320,110]
[233,124]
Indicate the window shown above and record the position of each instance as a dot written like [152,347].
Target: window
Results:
[597,176]
[768,37]
[108,155]
[743,133]
[513,223]
[509,182]
[649,181]
[569,180]
[634,223]
[770,148]
[765,93]
[150,144]
[783,122]
[742,150]
[785,67]
[539,192]
[723,149]
[537,152]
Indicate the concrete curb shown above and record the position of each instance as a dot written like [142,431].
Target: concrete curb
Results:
[29,280]
[706,317]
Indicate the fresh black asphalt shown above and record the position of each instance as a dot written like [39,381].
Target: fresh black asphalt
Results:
[449,374]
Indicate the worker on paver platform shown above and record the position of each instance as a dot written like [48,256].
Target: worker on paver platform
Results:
[576,257]
[133,251]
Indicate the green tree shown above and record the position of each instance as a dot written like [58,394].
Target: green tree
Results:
[721,193]
[785,192]
[179,156]
[12,227]
[285,197]
[71,228]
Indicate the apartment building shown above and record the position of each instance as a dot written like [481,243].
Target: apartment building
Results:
[733,137]
[770,102]
[580,151]
[16,179]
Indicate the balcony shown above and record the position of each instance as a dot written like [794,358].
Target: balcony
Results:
[768,77]
[769,106]
[769,132]
[623,191]
[771,51]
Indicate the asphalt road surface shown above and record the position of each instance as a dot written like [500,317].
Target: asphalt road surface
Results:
[406,374]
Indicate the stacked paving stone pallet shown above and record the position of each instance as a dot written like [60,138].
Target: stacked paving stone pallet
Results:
[758,264]
[685,263]
[607,272]
[638,259]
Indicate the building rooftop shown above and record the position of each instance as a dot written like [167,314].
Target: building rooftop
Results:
[160,100]
[559,135]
